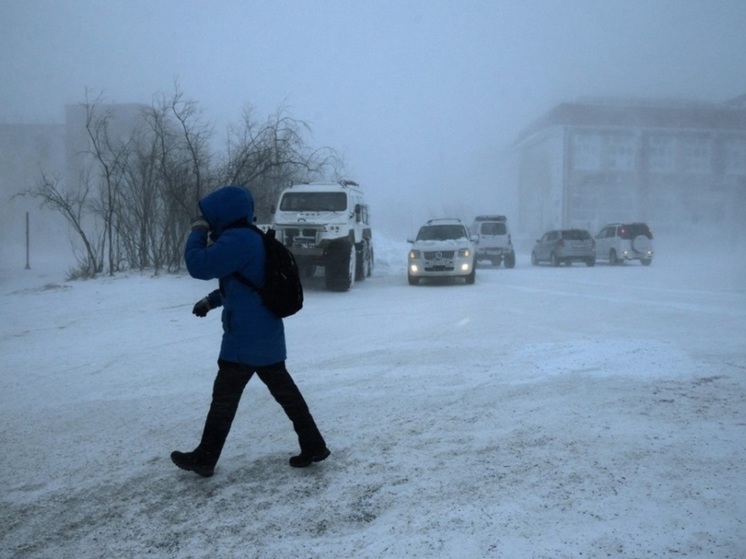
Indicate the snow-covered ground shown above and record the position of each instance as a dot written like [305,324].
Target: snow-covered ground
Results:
[540,413]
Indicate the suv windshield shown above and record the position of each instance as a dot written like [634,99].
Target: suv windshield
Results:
[441,233]
[576,235]
[632,230]
[314,202]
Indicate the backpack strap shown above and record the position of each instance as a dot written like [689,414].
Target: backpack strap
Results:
[244,280]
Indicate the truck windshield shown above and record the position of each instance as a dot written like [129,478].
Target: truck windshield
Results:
[313,202]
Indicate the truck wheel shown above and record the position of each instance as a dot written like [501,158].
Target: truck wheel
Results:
[341,264]
[306,269]
[362,267]
[371,260]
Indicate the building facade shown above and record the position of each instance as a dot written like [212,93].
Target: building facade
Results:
[61,153]
[672,164]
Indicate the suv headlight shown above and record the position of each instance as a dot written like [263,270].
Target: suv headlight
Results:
[415,254]
[464,252]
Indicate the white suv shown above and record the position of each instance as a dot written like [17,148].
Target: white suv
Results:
[617,242]
[442,249]
[493,240]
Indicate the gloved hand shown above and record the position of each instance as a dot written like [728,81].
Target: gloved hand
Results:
[202,307]
[200,224]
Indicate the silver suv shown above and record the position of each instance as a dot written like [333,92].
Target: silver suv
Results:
[442,249]
[618,242]
[564,246]
[493,240]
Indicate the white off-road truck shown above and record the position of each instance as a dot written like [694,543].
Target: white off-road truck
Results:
[493,240]
[326,224]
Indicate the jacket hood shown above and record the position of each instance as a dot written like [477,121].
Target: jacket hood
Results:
[226,206]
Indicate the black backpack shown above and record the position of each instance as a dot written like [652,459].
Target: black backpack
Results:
[282,292]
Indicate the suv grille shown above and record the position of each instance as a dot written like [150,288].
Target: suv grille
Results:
[439,254]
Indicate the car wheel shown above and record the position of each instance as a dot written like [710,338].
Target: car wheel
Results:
[554,260]
[534,259]
[413,280]
[613,260]
[646,261]
[471,277]
[590,262]
[509,260]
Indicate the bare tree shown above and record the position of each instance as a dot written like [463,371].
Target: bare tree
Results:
[140,181]
[74,206]
[184,168]
[110,157]
[140,207]
[267,157]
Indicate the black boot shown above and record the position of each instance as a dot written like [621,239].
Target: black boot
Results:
[193,462]
[306,458]
[226,393]
[286,393]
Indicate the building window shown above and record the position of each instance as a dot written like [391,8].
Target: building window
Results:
[695,155]
[735,157]
[662,154]
[586,152]
[619,153]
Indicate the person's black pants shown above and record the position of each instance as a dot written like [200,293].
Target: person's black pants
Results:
[229,385]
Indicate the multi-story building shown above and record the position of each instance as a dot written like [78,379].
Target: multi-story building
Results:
[669,163]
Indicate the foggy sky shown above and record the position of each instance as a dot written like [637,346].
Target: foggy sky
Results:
[421,97]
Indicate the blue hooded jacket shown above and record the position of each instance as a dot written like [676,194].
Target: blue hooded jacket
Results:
[252,334]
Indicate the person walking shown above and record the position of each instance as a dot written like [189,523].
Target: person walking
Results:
[253,337]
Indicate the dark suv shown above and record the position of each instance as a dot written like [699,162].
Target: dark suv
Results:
[617,242]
